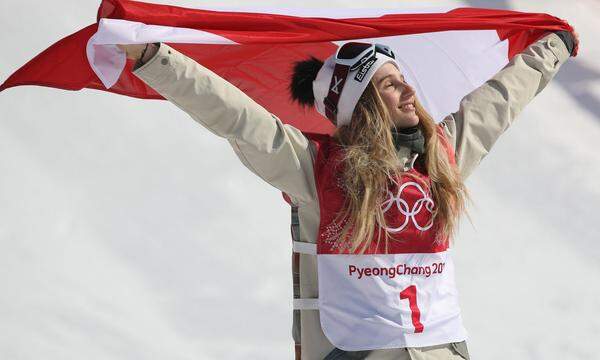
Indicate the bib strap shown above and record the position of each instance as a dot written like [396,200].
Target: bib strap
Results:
[306,304]
[304,248]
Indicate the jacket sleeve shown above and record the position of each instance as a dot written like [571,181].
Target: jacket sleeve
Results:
[279,154]
[486,112]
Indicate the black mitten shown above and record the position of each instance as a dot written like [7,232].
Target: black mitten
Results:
[568,39]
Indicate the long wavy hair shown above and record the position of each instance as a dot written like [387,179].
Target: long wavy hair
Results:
[371,164]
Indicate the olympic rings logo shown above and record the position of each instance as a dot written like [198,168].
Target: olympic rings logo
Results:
[425,202]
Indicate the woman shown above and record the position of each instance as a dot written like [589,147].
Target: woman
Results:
[388,185]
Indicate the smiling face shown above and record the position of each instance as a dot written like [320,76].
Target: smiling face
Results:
[398,96]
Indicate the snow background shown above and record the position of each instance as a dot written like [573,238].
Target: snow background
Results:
[130,232]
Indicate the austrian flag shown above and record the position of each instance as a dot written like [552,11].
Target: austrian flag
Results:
[445,52]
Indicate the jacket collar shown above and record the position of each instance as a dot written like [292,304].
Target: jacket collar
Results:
[407,158]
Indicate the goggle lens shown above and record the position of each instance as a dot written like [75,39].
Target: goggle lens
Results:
[385,50]
[351,50]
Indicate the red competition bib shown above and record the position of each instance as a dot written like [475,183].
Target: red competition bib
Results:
[404,296]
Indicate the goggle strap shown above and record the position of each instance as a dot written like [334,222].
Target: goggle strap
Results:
[338,80]
[363,59]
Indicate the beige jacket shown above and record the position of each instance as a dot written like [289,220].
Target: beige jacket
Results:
[282,156]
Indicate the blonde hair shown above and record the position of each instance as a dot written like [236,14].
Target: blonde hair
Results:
[370,162]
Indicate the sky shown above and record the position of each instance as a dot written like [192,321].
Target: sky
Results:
[127,231]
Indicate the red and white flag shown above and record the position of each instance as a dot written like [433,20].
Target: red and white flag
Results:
[445,52]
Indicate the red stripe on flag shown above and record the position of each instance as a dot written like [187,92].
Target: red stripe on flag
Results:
[256,28]
[263,72]
[265,78]
[63,65]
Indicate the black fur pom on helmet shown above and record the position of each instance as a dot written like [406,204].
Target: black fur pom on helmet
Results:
[305,72]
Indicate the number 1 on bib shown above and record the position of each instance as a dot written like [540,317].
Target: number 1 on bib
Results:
[410,293]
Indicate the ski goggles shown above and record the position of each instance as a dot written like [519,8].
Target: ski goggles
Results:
[355,54]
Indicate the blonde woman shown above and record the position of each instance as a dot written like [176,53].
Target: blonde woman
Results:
[375,205]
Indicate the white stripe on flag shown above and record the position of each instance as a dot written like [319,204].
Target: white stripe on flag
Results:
[108,61]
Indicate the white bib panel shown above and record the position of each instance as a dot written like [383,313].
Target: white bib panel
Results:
[384,301]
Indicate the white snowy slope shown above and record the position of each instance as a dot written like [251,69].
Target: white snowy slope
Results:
[127,231]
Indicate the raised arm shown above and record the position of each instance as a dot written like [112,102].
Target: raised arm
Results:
[489,110]
[280,154]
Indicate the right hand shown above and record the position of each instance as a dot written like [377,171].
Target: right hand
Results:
[132,51]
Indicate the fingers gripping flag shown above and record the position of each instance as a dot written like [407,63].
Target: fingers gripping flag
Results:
[445,53]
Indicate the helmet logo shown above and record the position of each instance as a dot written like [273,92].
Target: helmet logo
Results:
[364,69]
[336,82]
